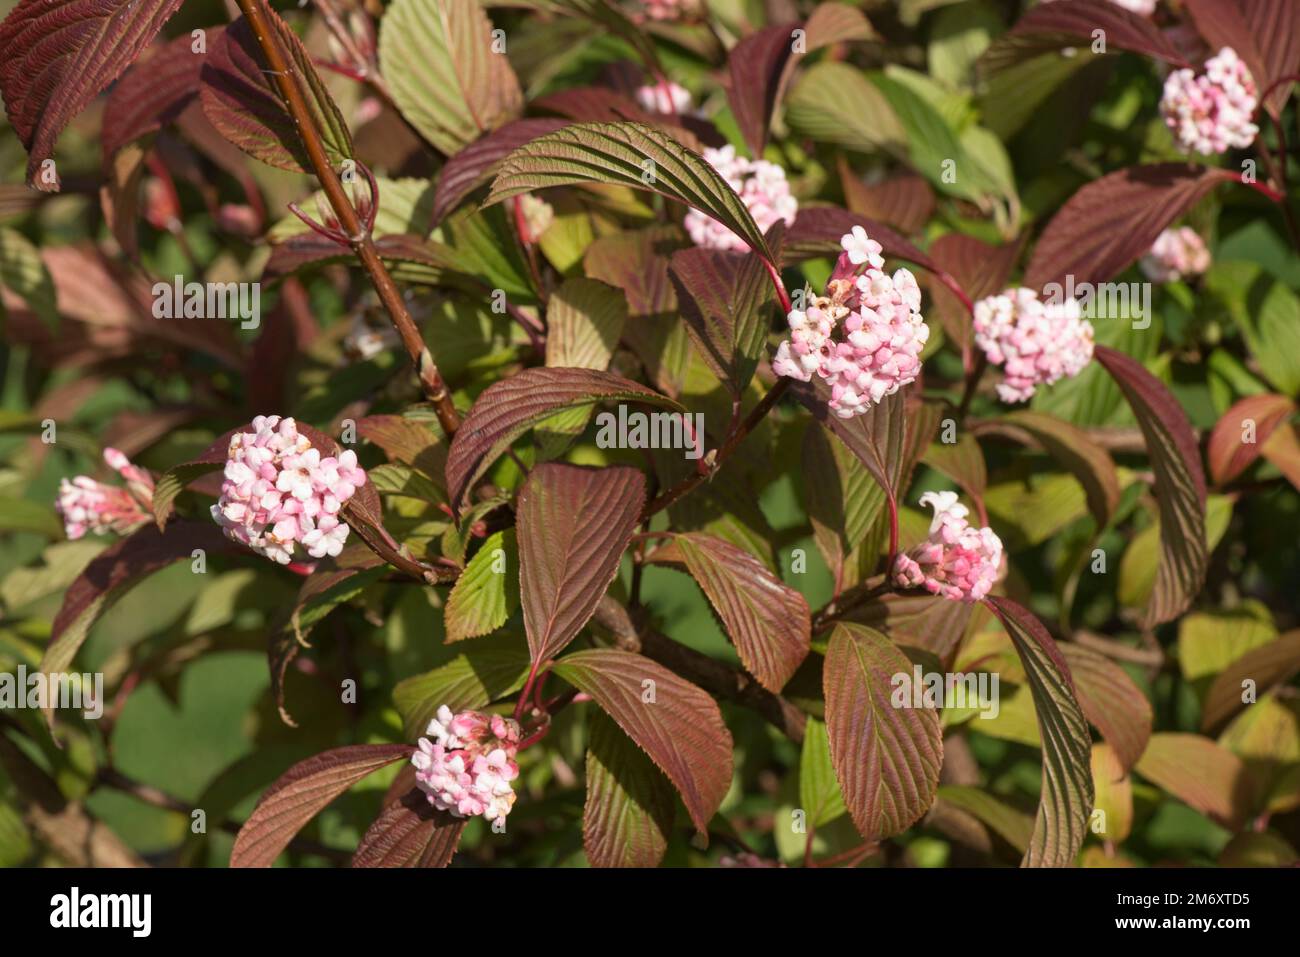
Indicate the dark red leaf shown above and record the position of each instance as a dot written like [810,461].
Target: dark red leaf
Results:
[153,92]
[1067,794]
[1111,701]
[669,718]
[1051,27]
[886,758]
[240,100]
[1112,221]
[1180,485]
[573,525]
[903,201]
[410,832]
[56,55]
[301,793]
[507,409]
[980,269]
[1275,25]
[767,619]
[1254,417]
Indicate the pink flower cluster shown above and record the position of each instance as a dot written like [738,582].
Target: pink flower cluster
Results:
[760,184]
[665,97]
[1175,254]
[468,766]
[880,321]
[958,562]
[89,506]
[279,490]
[1035,342]
[1212,112]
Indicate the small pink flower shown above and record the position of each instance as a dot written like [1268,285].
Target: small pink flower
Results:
[862,249]
[1036,343]
[89,506]
[957,561]
[1211,113]
[1176,254]
[760,184]
[468,768]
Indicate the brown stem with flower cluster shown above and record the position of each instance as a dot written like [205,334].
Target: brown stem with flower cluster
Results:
[284,75]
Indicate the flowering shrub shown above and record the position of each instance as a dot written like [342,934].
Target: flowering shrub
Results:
[624,433]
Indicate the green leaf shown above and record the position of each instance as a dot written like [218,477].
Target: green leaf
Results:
[1089,462]
[843,503]
[628,154]
[819,792]
[584,319]
[1067,796]
[485,671]
[439,64]
[835,103]
[886,758]
[1012,826]
[24,515]
[23,272]
[487,591]
[628,817]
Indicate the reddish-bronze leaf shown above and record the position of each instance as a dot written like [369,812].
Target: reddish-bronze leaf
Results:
[1112,221]
[573,525]
[768,620]
[1238,437]
[1051,27]
[903,200]
[886,758]
[1271,664]
[301,793]
[672,720]
[724,297]
[1067,797]
[1275,25]
[1201,774]
[1180,485]
[628,816]
[920,621]
[980,269]
[410,832]
[56,55]
[761,64]
[153,92]
[240,100]
[509,408]
[477,163]
[1111,701]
